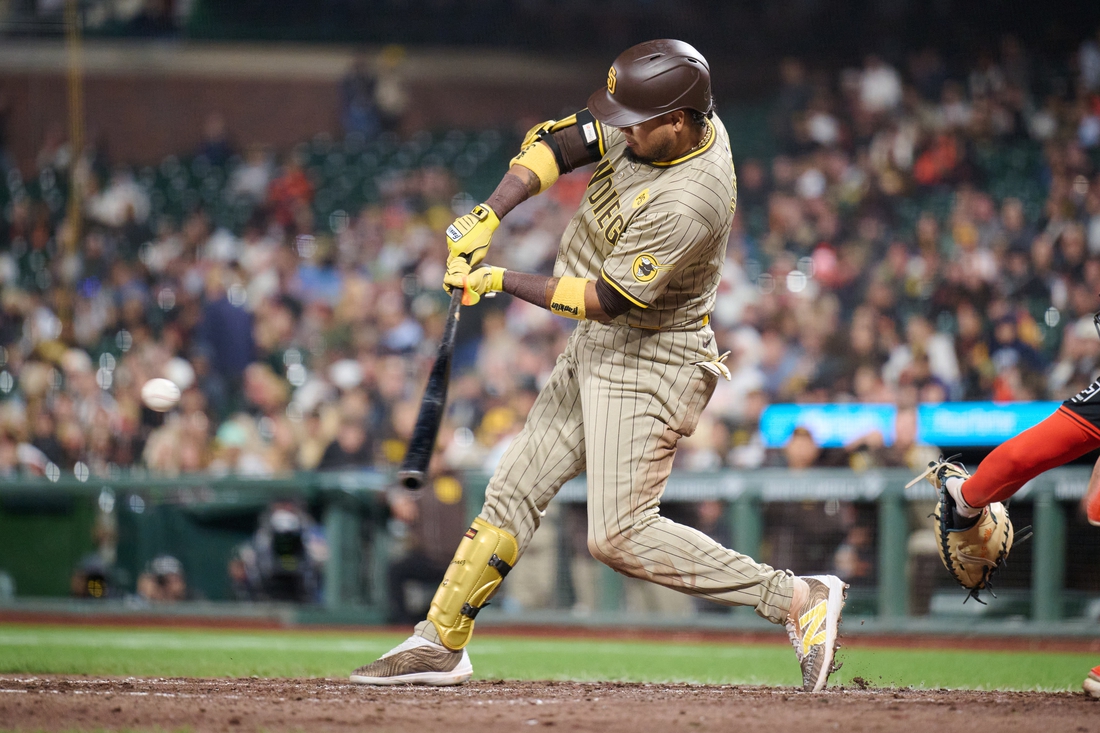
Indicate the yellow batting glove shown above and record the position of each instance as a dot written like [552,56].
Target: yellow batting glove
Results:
[487,281]
[469,235]
[484,281]
[457,270]
[534,133]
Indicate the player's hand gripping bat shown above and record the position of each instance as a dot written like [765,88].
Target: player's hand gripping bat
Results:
[414,469]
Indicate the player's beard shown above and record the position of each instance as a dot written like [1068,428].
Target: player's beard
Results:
[661,153]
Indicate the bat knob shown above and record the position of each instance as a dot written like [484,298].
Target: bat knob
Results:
[412,480]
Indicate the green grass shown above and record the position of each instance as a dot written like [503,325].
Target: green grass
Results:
[204,653]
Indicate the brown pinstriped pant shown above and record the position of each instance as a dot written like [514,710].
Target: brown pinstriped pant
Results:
[615,406]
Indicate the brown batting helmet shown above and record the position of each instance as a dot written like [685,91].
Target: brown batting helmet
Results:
[651,79]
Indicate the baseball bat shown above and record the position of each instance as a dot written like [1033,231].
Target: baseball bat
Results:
[414,469]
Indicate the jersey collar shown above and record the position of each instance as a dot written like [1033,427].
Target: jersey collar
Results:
[693,153]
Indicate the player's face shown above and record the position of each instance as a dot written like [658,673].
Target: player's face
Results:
[655,140]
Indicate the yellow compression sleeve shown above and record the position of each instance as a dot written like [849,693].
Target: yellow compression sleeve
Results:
[568,298]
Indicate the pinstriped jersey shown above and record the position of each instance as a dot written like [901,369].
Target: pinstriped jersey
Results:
[655,232]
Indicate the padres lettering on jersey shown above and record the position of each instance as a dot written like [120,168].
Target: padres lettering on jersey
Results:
[604,200]
[656,233]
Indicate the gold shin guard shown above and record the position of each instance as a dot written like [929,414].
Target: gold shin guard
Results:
[484,556]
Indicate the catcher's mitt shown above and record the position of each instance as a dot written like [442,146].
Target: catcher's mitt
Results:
[972,550]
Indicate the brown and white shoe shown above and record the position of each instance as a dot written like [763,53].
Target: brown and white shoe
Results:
[416,661]
[1092,682]
[813,631]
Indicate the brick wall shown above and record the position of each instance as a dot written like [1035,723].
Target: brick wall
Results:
[143,118]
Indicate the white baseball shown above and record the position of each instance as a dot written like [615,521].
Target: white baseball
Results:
[160,395]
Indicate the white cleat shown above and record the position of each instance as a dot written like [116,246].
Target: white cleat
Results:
[416,661]
[813,632]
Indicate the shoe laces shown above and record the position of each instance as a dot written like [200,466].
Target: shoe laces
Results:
[796,641]
[936,467]
[413,642]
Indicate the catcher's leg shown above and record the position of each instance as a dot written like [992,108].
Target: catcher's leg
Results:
[1059,439]
[1092,496]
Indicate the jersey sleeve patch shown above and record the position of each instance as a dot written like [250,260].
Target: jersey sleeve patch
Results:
[652,249]
[646,267]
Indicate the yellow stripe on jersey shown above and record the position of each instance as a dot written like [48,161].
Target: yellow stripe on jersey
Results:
[622,291]
[694,153]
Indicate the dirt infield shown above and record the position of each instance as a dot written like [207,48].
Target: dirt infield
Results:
[90,703]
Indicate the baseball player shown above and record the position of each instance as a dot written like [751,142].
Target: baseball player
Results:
[1071,432]
[638,268]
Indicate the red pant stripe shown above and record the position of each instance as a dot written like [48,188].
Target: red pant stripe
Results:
[1085,424]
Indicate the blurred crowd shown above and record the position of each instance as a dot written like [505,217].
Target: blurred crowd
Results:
[926,232]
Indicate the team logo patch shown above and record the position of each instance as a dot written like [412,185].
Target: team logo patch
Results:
[611,80]
[641,198]
[646,267]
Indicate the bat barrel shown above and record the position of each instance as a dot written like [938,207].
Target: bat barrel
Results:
[418,455]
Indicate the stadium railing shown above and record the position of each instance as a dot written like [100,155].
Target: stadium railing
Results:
[46,526]
[1052,497]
